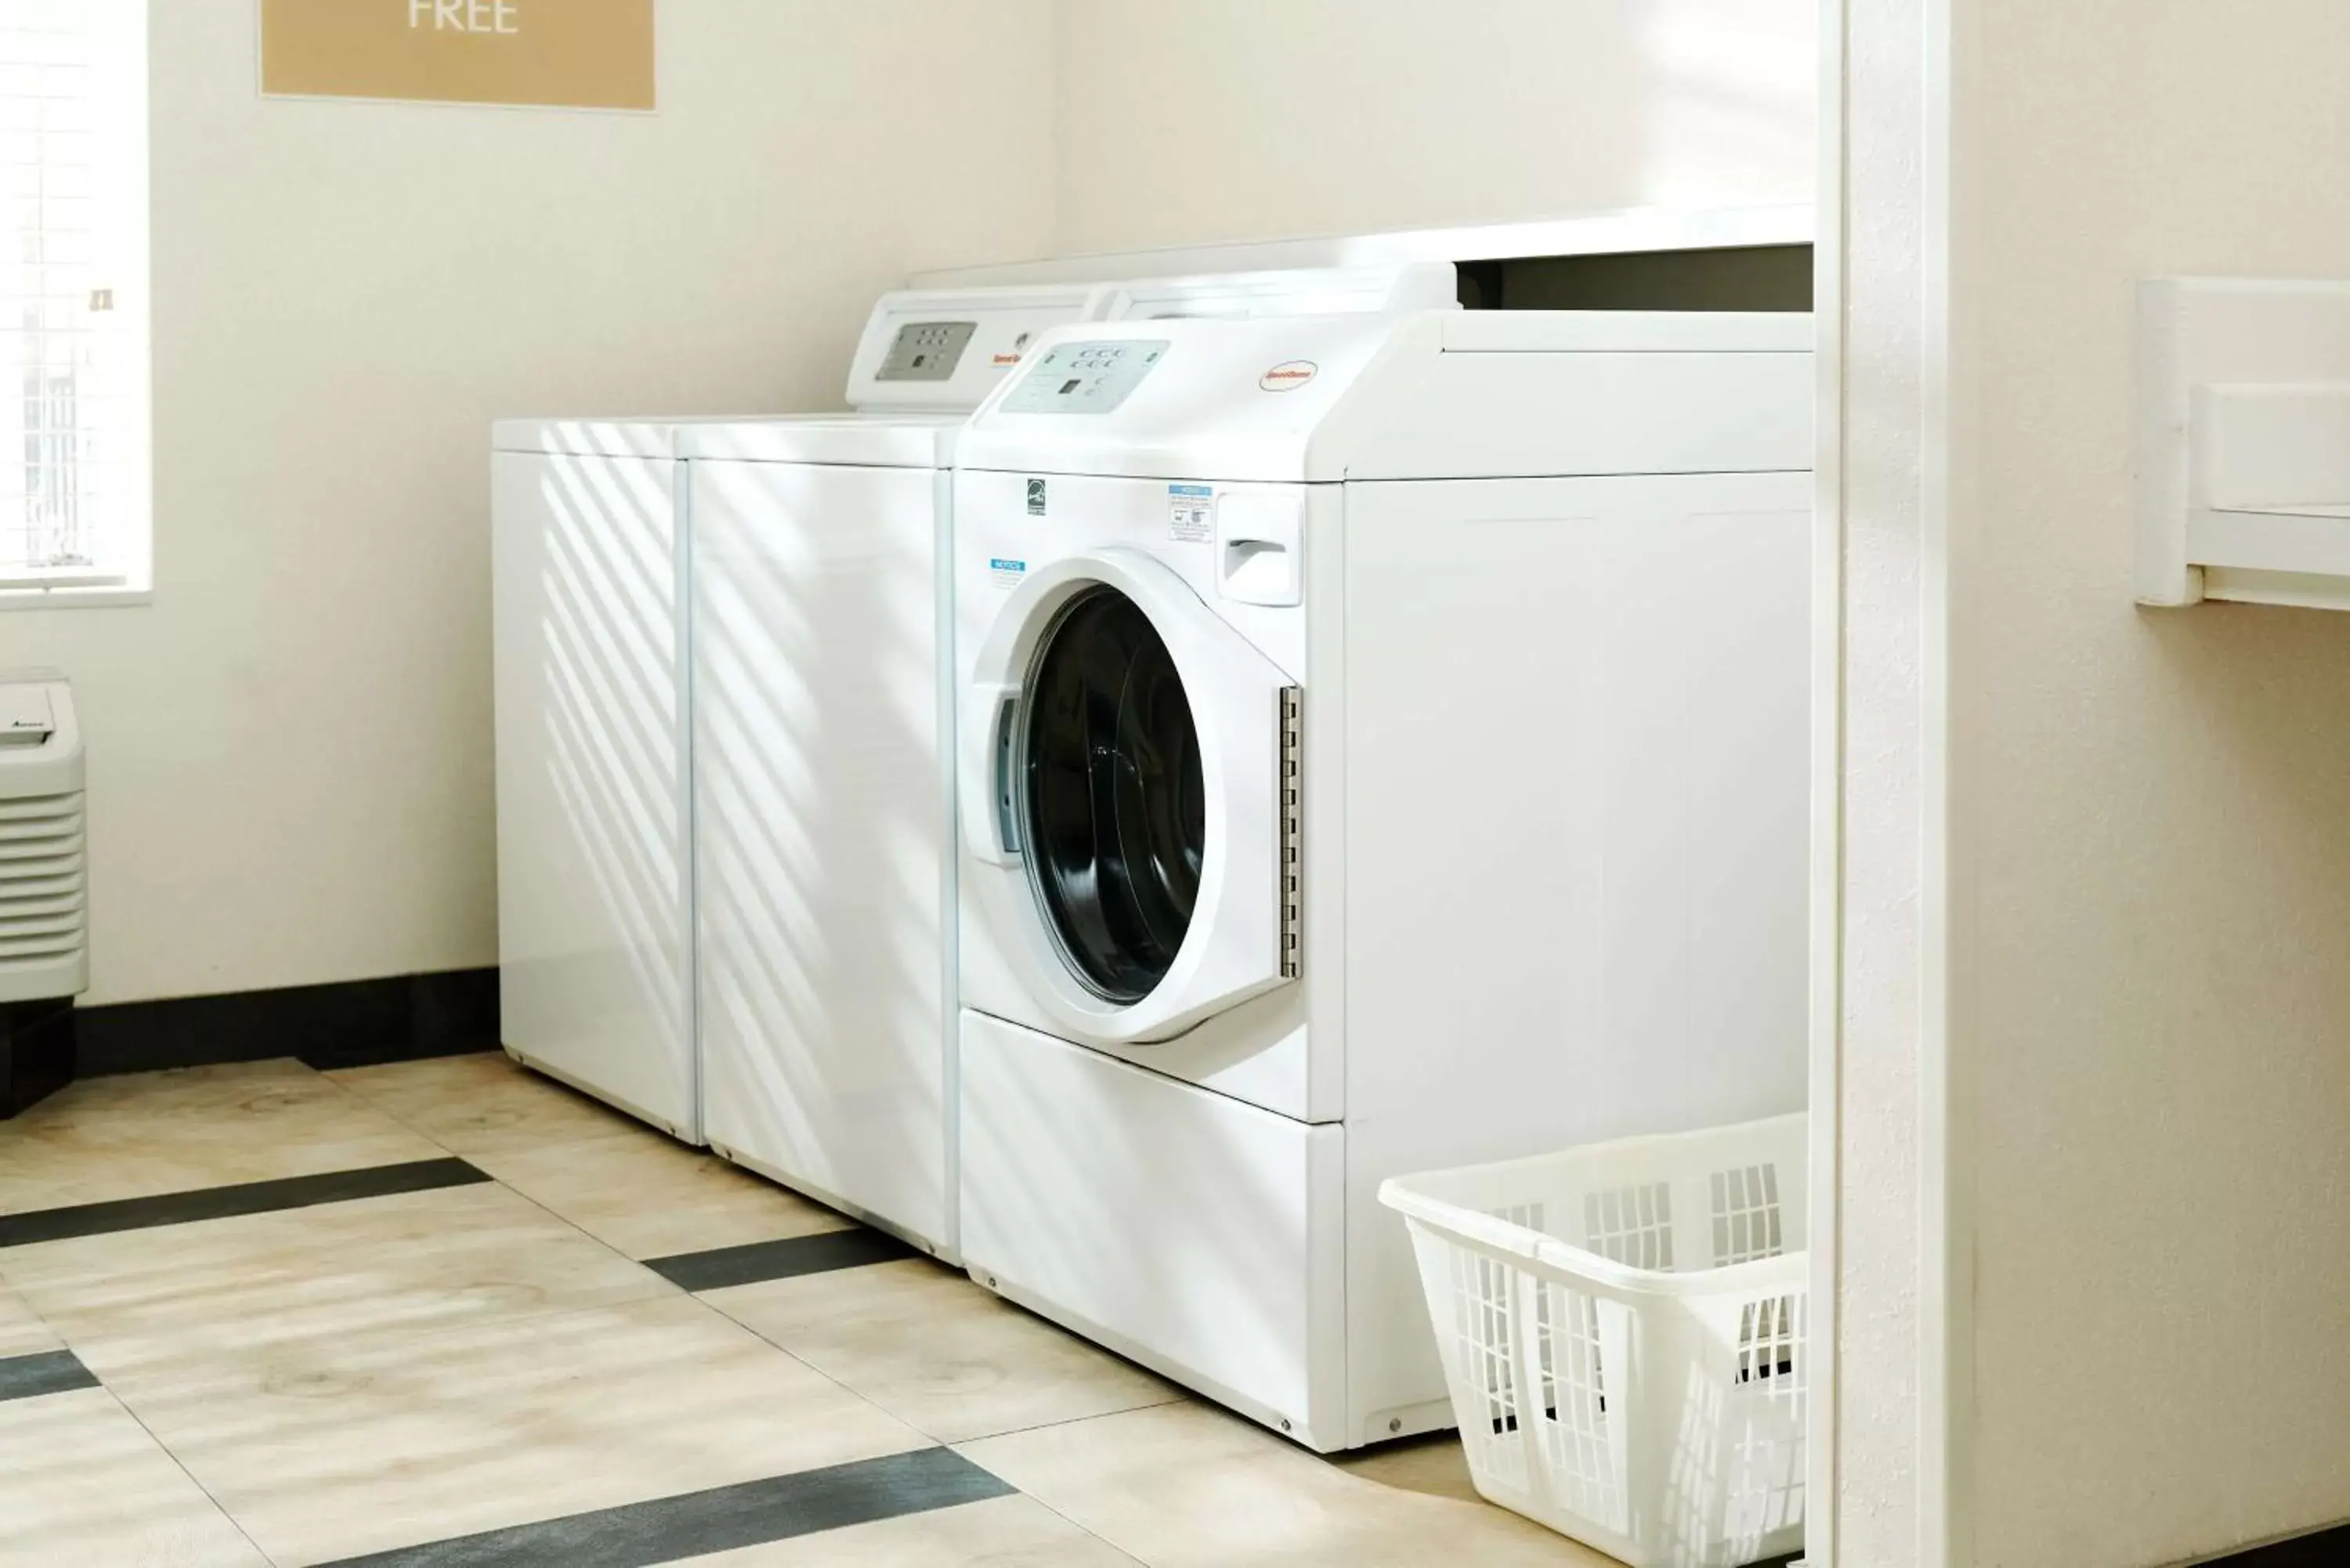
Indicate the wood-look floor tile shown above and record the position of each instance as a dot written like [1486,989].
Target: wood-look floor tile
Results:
[651,1196]
[927,1344]
[328,1448]
[1006,1532]
[1185,1486]
[485,1104]
[81,1481]
[147,1305]
[106,1140]
[1437,1466]
[22,1332]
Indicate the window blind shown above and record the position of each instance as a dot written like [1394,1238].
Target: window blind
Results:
[73,339]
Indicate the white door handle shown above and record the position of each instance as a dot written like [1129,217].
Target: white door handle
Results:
[1258,535]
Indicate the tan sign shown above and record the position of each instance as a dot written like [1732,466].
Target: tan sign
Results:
[588,54]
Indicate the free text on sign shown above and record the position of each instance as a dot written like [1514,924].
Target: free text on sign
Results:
[588,54]
[465,15]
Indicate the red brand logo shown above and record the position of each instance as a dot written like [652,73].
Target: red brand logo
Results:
[1288,378]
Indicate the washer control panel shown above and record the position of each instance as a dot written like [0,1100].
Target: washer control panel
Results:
[1090,378]
[926,351]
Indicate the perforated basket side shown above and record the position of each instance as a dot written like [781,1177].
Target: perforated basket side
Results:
[1622,1332]
[1738,1494]
[1528,1363]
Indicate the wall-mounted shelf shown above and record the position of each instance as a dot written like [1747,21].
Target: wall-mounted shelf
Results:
[2244,443]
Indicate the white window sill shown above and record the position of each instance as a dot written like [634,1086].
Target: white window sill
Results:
[24,598]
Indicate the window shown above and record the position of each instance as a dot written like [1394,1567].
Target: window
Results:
[75,500]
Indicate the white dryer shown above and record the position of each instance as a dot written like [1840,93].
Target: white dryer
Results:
[1384,747]
[823,714]
[590,558]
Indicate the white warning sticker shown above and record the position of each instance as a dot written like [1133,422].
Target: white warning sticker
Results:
[1191,513]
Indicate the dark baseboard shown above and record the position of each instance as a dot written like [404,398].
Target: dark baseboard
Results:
[351,1024]
[37,1053]
[2326,1549]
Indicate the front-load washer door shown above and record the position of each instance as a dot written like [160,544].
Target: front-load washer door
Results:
[1127,804]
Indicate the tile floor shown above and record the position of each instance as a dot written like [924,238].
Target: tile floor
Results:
[430,1315]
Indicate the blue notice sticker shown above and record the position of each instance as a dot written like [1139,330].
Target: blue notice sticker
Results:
[1191,513]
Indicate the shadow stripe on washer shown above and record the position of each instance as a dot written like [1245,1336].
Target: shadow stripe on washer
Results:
[726,1519]
[229,1202]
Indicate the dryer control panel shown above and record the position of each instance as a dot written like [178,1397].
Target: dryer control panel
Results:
[1089,377]
[926,351]
[946,351]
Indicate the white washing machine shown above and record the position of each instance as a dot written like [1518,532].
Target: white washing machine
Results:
[823,713]
[590,565]
[1384,747]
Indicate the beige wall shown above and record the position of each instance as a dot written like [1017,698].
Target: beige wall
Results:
[291,747]
[1186,122]
[2153,808]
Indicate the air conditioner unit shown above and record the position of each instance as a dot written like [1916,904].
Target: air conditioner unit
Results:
[43,885]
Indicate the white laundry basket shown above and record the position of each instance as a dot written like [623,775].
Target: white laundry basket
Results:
[1622,1328]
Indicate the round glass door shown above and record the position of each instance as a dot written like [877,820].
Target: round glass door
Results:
[1116,811]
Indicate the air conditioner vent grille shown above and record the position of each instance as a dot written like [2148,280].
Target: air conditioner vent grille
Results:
[44,842]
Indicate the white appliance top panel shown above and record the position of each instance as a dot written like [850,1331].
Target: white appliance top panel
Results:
[1306,291]
[944,350]
[25,715]
[839,440]
[1424,395]
[645,436]
[1627,332]
[1612,232]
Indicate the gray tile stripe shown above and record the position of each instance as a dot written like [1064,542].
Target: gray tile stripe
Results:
[728,1519]
[51,1372]
[764,1261]
[226,1203]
